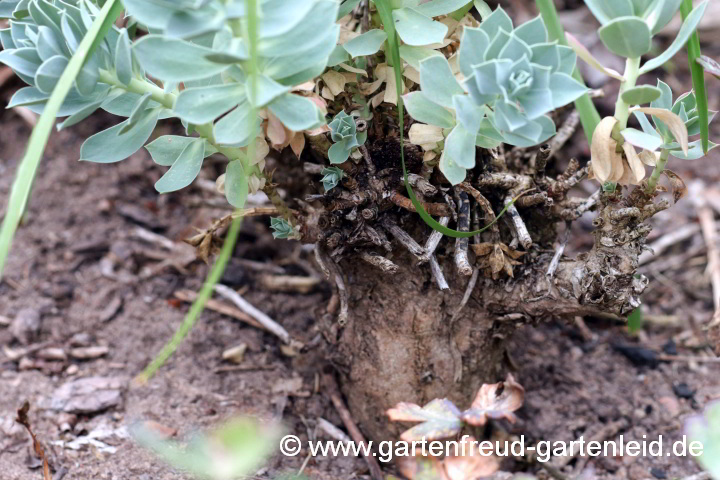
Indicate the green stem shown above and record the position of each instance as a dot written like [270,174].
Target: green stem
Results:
[622,109]
[589,116]
[198,305]
[657,171]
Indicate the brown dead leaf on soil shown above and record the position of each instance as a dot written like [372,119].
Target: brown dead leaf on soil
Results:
[679,189]
[494,258]
[22,419]
[440,419]
[496,401]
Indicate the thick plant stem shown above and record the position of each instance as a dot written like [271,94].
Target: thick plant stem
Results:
[657,171]
[622,109]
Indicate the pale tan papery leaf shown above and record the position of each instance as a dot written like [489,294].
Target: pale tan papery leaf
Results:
[275,130]
[220,184]
[390,87]
[429,156]
[335,81]
[261,150]
[627,177]
[506,396]
[618,167]
[649,158]
[304,87]
[602,149]
[350,77]
[674,123]
[588,58]
[326,93]
[352,69]
[633,160]
[470,464]
[377,99]
[412,74]
[428,147]
[422,134]
[346,35]
[297,143]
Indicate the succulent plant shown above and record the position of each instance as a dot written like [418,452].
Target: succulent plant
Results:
[660,136]
[344,134]
[331,177]
[512,79]
[281,228]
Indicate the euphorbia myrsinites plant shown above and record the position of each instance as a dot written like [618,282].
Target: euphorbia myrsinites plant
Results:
[316,91]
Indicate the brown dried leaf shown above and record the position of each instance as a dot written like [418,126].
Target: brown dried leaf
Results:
[497,400]
[674,123]
[22,419]
[482,249]
[636,165]
[602,150]
[649,158]
[471,466]
[297,144]
[679,190]
[496,260]
[441,419]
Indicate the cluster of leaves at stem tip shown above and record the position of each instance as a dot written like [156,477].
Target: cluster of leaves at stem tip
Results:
[627,30]
[213,78]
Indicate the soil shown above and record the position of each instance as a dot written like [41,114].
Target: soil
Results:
[77,263]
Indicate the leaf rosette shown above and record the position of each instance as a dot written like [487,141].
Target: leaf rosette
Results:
[511,79]
[344,134]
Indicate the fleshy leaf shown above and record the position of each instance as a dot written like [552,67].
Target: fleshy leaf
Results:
[417,29]
[369,43]
[640,95]
[204,104]
[423,110]
[628,37]
[460,147]
[437,81]
[642,139]
[175,60]
[673,122]
[109,146]
[296,113]
[588,58]
[236,184]
[184,169]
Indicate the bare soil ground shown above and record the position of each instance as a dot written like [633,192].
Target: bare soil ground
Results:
[80,265]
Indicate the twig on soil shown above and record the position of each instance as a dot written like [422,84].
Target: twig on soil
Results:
[433,241]
[559,252]
[404,238]
[437,274]
[486,206]
[289,283]
[258,212]
[461,244]
[332,272]
[566,130]
[334,393]
[521,230]
[270,325]
[220,307]
[434,209]
[379,261]
[468,292]
[332,430]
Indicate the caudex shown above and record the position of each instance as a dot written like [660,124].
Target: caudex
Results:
[310,96]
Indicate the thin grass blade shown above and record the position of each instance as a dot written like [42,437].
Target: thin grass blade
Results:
[698,79]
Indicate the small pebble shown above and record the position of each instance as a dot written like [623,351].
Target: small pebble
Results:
[26,326]
[658,473]
[682,390]
[235,354]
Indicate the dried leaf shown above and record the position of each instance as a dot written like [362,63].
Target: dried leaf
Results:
[497,260]
[441,419]
[588,57]
[679,190]
[674,123]
[482,249]
[471,466]
[422,134]
[275,131]
[297,144]
[22,419]
[603,150]
[709,65]
[649,158]
[420,468]
[349,68]
[498,400]
[636,165]
[335,81]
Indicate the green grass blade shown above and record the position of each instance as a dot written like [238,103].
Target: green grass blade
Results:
[198,305]
[25,176]
[698,78]
[589,116]
[385,10]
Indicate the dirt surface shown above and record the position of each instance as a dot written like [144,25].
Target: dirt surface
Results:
[79,264]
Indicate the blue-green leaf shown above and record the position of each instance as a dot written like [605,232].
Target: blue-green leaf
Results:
[688,27]
[369,43]
[641,94]
[175,60]
[532,32]
[204,104]
[628,37]
[644,140]
[695,151]
[236,184]
[417,29]
[472,50]
[460,147]
[296,113]
[425,111]
[435,8]
[236,128]
[437,81]
[184,169]
[123,58]
[109,146]
[49,73]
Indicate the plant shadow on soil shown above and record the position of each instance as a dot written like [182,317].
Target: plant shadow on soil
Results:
[76,254]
